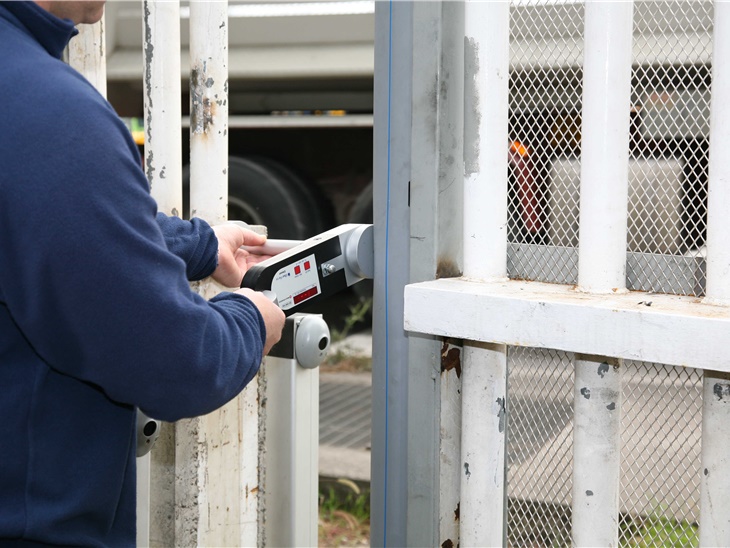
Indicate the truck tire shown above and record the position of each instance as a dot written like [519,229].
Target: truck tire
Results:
[316,210]
[362,213]
[260,194]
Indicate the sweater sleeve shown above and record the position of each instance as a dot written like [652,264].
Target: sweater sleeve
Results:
[193,241]
[88,276]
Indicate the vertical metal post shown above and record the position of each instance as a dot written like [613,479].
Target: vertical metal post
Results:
[715,481]
[209,110]
[305,453]
[292,451]
[213,487]
[144,477]
[163,167]
[391,175]
[162,104]
[484,366]
[434,387]
[596,450]
[605,146]
[486,108]
[714,494]
[718,202]
[602,265]
[87,54]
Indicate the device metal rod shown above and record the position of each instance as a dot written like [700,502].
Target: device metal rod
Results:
[272,247]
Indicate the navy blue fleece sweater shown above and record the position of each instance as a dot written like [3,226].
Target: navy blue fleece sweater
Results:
[96,315]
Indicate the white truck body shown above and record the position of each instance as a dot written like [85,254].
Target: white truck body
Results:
[301,93]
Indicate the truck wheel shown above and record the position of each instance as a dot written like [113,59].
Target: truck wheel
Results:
[362,213]
[258,195]
[317,211]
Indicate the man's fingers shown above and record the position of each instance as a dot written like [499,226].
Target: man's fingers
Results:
[255,259]
[252,238]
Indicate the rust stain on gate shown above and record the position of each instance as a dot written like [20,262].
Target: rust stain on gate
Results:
[202,108]
[450,358]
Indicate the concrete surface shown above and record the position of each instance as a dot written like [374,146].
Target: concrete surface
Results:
[344,415]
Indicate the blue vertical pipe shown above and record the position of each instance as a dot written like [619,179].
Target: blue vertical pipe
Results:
[391,176]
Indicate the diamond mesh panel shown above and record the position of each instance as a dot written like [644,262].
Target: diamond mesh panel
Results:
[667,210]
[544,133]
[661,443]
[669,144]
[669,111]
[539,447]
[661,426]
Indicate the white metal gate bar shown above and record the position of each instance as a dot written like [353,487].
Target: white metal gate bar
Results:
[216,455]
[715,484]
[209,110]
[163,167]
[87,54]
[718,220]
[605,148]
[485,125]
[545,315]
[292,450]
[596,450]
[162,104]
[484,366]
[601,265]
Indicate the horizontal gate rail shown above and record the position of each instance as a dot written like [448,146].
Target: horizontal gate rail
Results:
[637,325]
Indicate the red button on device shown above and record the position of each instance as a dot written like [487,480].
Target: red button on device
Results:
[297,270]
[306,265]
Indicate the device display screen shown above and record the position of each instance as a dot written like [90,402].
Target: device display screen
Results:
[304,295]
[296,282]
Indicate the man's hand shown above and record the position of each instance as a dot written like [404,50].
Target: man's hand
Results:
[233,262]
[273,316]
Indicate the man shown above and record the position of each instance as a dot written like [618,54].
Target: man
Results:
[96,315]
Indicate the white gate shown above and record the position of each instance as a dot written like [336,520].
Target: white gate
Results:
[595,198]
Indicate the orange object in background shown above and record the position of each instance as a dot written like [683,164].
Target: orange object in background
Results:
[527,186]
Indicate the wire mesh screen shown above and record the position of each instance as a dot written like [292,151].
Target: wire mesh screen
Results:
[539,447]
[660,455]
[667,210]
[669,113]
[660,452]
[546,43]
[669,146]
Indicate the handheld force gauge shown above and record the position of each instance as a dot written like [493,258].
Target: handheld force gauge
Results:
[315,268]
[299,273]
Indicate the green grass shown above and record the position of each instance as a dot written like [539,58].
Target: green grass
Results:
[345,495]
[358,314]
[344,514]
[659,531]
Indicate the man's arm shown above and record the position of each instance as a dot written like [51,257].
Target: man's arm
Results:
[211,251]
[90,281]
[193,241]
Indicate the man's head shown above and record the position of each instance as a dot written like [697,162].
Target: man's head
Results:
[79,11]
